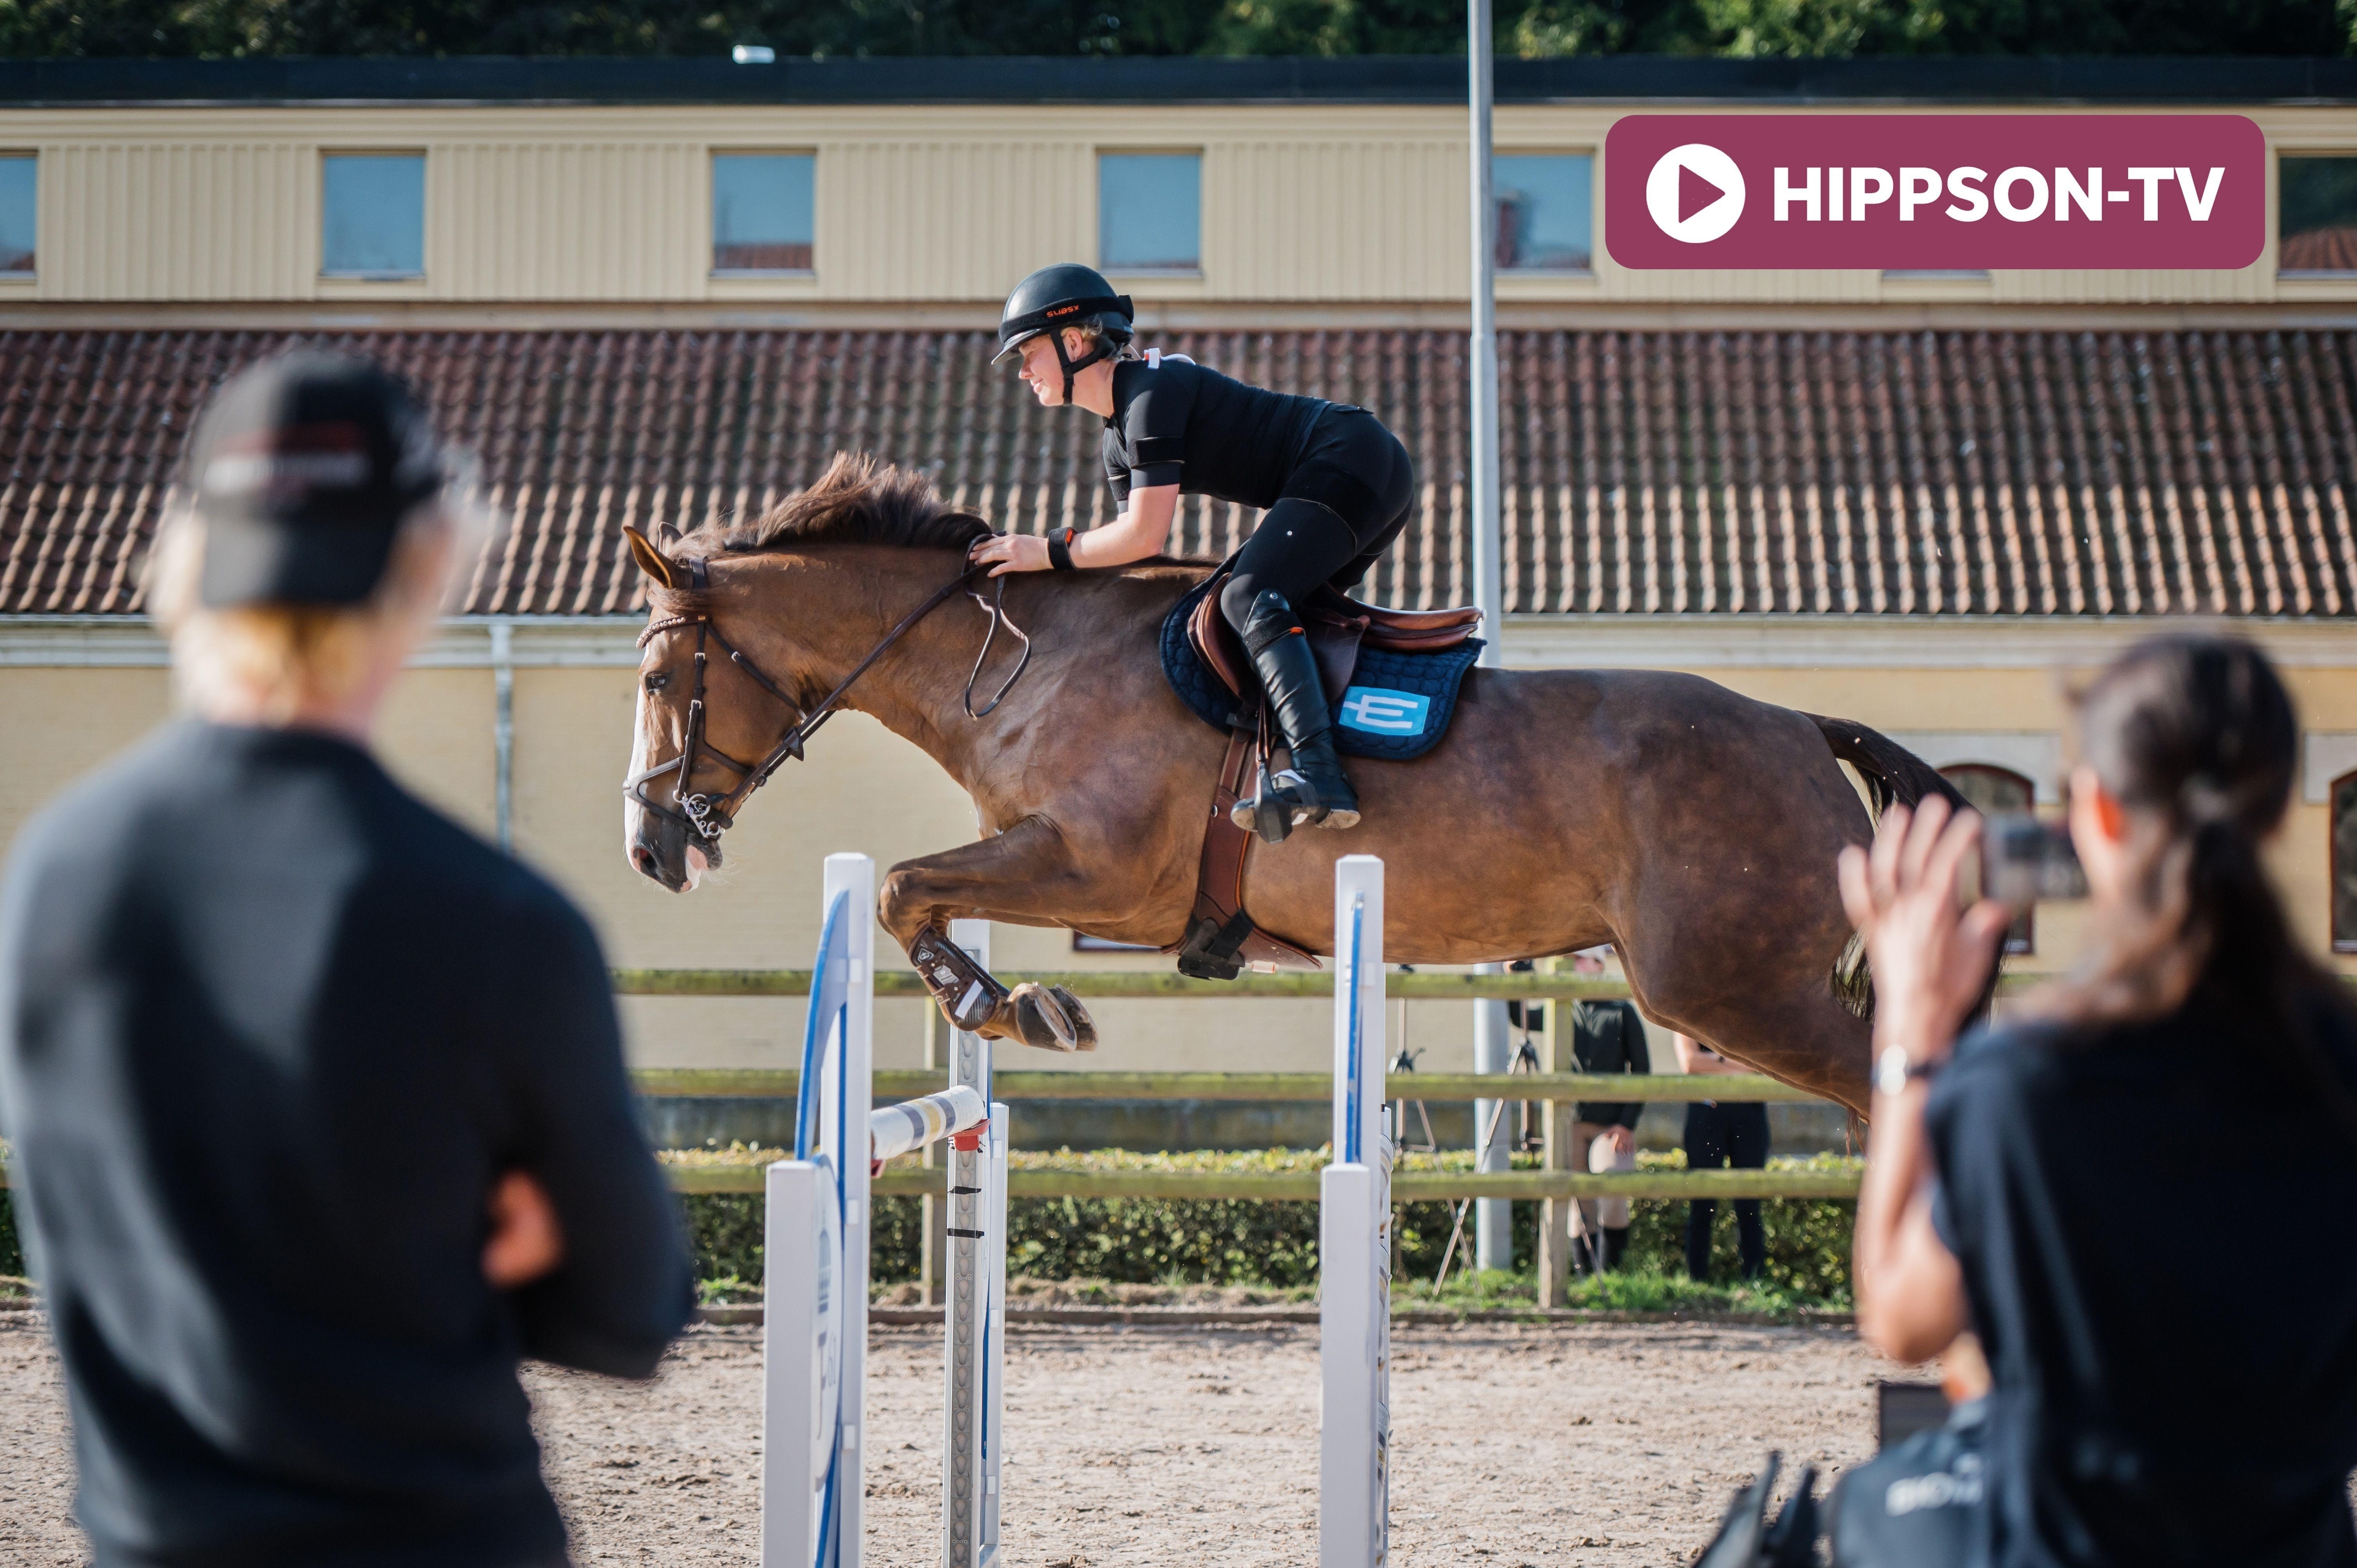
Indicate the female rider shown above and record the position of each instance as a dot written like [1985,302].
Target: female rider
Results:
[1334,483]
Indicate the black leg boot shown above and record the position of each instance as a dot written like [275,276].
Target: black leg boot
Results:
[1313,788]
[1616,1248]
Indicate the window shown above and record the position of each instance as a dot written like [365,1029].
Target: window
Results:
[1150,213]
[373,215]
[2344,864]
[762,211]
[2316,215]
[1995,791]
[18,216]
[1545,211]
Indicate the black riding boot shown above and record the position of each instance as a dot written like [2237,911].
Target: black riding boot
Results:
[1313,788]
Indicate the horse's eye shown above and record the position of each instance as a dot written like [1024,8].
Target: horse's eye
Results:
[657,680]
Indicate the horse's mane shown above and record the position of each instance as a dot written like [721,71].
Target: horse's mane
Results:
[857,500]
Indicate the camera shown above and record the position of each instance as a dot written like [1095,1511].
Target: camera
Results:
[2024,860]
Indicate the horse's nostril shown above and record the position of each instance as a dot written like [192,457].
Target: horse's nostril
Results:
[644,859]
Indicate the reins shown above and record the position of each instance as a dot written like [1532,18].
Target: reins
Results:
[708,815]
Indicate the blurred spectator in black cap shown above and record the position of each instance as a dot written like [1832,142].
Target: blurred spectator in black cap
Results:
[317,1100]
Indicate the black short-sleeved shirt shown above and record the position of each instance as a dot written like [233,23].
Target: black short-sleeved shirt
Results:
[1609,1036]
[2167,1297]
[1176,423]
[270,1029]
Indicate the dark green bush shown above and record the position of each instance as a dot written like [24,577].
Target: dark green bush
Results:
[12,1251]
[1234,1242]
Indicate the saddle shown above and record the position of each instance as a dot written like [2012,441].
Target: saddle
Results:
[1337,626]
[1438,646]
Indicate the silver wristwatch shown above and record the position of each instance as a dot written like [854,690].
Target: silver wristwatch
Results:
[1892,1070]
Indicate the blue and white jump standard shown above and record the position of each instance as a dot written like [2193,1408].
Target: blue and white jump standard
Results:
[815,1335]
[1354,1243]
[814,1339]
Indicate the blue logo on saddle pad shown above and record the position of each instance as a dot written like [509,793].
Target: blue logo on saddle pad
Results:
[1376,710]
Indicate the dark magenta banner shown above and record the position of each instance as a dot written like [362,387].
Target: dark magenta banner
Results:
[1935,192]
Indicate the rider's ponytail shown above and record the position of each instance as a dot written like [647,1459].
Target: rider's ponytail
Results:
[2197,737]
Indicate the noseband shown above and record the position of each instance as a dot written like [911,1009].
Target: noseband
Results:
[709,815]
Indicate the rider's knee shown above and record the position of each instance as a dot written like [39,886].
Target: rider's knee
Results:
[1236,597]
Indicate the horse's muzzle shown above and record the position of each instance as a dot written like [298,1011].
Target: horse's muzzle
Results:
[659,852]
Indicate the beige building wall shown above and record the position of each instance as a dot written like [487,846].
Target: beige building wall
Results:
[1316,204]
[1991,693]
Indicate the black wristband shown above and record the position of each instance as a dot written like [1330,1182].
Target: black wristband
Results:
[1060,550]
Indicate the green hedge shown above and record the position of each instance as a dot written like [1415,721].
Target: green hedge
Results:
[12,1251]
[1241,1241]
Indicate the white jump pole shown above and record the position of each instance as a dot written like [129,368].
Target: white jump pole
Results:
[817,1230]
[1354,1251]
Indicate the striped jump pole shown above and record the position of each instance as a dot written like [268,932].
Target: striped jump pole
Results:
[814,1332]
[1354,1244]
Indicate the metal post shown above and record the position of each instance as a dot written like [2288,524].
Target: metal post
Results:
[1493,1216]
[970,1330]
[1482,359]
[504,727]
[1555,1213]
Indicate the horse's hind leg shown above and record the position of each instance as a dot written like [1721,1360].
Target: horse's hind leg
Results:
[1025,873]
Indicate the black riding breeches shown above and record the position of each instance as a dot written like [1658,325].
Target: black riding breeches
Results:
[1734,1135]
[1345,503]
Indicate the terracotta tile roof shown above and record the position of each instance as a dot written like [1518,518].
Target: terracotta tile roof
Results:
[2028,473]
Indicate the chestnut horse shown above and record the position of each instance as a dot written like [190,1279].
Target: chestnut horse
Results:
[1693,828]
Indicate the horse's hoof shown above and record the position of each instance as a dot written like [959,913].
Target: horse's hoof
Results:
[1040,1019]
[1085,1026]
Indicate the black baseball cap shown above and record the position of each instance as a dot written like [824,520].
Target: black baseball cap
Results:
[303,468]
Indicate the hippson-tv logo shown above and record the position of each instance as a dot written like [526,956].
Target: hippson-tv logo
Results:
[1935,191]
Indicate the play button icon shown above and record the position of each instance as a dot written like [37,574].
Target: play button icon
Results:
[1695,193]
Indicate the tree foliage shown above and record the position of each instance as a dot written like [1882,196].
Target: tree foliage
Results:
[62,28]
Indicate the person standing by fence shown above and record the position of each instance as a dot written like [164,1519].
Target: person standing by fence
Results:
[1718,1134]
[1606,1037]
[318,1102]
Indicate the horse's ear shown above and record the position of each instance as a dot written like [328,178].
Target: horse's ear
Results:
[651,560]
[667,536]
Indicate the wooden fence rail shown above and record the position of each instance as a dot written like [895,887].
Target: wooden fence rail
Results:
[1408,1187]
[758,1083]
[1151,985]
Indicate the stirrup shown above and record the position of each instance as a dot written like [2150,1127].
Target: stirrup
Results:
[1283,802]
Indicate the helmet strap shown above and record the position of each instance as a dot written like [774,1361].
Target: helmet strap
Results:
[1104,350]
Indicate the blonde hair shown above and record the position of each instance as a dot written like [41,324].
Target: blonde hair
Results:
[278,658]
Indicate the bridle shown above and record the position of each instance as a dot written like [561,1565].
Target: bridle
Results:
[710,815]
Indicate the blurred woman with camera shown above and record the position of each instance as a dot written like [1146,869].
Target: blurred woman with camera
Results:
[2153,1403]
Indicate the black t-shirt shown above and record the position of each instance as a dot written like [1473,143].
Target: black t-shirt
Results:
[1177,423]
[2165,1296]
[270,1029]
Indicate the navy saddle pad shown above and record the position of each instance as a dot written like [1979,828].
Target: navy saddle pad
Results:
[1396,708]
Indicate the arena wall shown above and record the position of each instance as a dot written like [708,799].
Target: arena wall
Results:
[87,693]
[1309,204]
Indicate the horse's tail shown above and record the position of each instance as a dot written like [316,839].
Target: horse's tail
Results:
[1893,776]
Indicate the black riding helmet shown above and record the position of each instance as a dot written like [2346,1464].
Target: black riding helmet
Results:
[1066,294]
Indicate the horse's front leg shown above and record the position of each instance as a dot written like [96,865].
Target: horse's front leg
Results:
[1025,873]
